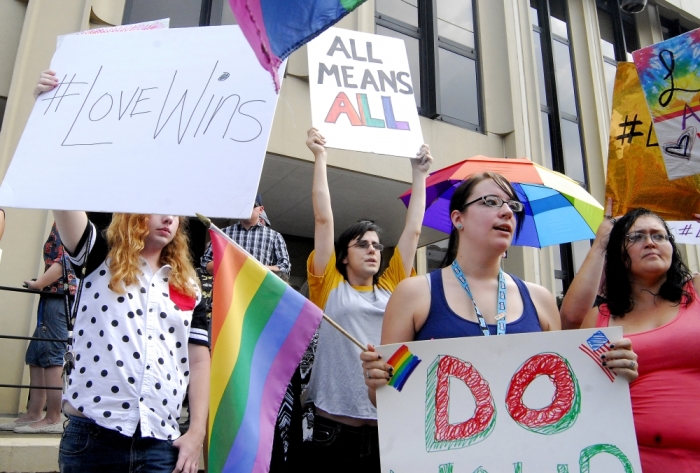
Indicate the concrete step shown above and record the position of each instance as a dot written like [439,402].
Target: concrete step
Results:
[28,452]
[33,453]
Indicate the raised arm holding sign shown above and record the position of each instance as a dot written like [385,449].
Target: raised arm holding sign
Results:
[344,281]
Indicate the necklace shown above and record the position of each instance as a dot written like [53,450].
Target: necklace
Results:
[500,305]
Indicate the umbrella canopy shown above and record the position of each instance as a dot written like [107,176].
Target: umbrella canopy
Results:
[557,209]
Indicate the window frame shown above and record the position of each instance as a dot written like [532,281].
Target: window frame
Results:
[429,44]
[551,108]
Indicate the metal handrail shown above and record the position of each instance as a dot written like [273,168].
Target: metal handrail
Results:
[16,337]
[31,291]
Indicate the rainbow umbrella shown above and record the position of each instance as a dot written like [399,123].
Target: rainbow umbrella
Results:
[557,209]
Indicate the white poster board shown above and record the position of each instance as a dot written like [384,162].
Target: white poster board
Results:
[362,93]
[169,121]
[146,25]
[685,231]
[519,403]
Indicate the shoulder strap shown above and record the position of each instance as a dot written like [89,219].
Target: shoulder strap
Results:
[72,311]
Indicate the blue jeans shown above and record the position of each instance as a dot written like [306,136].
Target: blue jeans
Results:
[86,447]
[51,318]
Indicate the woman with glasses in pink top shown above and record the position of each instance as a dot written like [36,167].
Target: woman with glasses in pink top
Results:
[651,294]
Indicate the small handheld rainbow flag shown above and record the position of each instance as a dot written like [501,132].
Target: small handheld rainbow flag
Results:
[404,362]
[260,330]
[277,28]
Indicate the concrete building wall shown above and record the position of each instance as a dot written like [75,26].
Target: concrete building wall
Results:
[511,106]
[40,22]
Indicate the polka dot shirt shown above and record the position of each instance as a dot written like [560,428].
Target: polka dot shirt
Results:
[131,349]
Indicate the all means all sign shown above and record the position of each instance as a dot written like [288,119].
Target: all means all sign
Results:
[362,93]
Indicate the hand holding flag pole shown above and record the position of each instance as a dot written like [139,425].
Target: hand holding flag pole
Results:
[208,223]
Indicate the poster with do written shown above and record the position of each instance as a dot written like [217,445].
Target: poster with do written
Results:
[537,402]
[362,95]
[169,121]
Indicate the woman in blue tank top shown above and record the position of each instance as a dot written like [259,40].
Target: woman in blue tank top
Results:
[470,295]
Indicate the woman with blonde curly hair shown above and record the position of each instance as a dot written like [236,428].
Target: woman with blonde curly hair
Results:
[140,338]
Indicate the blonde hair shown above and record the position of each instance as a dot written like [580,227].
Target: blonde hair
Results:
[126,237]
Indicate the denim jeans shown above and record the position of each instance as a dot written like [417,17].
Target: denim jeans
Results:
[341,448]
[86,447]
[52,324]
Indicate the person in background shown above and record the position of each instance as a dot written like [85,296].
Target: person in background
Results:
[344,281]
[45,359]
[261,241]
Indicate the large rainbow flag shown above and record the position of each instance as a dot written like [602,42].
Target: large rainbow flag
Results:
[277,28]
[260,330]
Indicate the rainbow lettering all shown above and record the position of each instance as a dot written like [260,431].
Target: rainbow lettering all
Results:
[404,362]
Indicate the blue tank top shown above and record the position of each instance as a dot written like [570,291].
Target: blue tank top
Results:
[442,322]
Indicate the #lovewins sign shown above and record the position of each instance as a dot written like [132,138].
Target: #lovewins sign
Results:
[537,402]
[165,121]
[362,93]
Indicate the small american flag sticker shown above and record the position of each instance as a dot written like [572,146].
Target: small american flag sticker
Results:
[596,345]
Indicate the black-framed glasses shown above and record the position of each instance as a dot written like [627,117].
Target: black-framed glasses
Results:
[495,201]
[636,237]
[364,244]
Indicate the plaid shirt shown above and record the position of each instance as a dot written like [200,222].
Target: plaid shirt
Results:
[265,244]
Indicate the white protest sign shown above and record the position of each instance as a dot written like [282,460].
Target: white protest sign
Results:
[538,402]
[146,25]
[362,94]
[170,121]
[686,231]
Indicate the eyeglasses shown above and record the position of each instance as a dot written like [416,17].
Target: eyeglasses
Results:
[494,201]
[364,244]
[636,237]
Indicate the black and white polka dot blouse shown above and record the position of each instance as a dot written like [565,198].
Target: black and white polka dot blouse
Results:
[131,349]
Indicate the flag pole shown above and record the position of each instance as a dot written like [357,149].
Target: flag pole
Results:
[208,223]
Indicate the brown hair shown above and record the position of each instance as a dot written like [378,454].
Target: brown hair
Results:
[459,198]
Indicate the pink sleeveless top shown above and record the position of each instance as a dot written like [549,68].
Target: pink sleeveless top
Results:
[666,396]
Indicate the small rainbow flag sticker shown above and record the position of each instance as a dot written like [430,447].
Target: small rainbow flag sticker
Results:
[404,362]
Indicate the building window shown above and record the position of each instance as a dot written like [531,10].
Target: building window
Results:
[559,108]
[182,13]
[442,47]
[618,38]
[672,26]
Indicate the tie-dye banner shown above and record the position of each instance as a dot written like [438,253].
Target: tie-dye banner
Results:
[670,77]
[636,170]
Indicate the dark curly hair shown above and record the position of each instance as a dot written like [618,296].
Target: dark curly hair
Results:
[355,230]
[459,198]
[618,286]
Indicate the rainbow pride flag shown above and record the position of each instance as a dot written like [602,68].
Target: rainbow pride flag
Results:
[260,330]
[277,28]
[404,362]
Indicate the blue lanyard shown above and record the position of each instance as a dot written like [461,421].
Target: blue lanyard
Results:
[500,307]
